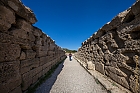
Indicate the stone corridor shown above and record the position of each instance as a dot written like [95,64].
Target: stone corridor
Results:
[71,77]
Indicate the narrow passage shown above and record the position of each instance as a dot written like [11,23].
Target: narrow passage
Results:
[70,77]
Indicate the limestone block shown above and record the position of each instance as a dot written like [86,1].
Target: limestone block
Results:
[51,52]
[116,71]
[133,84]
[45,65]
[30,54]
[90,65]
[5,20]
[9,52]
[26,84]
[44,48]
[14,83]
[99,67]
[24,25]
[20,10]
[19,33]
[27,65]
[31,37]
[10,77]
[25,69]
[35,62]
[3,89]
[41,53]
[38,41]
[37,32]
[26,76]
[136,9]
[43,60]
[35,78]
[117,78]
[22,56]
[17,90]
[25,46]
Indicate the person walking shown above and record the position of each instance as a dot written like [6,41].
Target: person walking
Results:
[70,55]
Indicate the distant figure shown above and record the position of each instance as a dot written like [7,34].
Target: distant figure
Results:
[70,55]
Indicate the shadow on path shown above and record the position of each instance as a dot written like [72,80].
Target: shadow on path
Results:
[47,85]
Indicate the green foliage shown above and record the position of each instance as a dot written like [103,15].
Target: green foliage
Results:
[69,51]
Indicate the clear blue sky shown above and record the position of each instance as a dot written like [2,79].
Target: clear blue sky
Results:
[70,22]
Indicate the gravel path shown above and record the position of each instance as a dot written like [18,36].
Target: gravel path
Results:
[70,77]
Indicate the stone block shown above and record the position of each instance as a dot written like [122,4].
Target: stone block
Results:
[100,67]
[14,83]
[43,60]
[22,55]
[30,54]
[45,65]
[90,65]
[5,20]
[9,52]
[27,65]
[121,80]
[25,69]
[37,32]
[26,84]
[3,89]
[24,25]
[136,9]
[51,52]
[17,90]
[44,48]
[31,37]
[25,46]
[41,53]
[19,33]
[35,78]
[38,41]
[133,84]
[21,10]
[9,76]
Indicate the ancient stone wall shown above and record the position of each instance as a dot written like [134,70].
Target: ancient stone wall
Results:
[115,49]
[26,53]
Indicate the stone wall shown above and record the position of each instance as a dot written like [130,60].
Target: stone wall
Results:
[26,53]
[115,49]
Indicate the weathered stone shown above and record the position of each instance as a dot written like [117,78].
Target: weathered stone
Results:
[90,65]
[100,67]
[136,8]
[114,46]
[134,86]
[30,54]
[9,52]
[17,90]
[35,78]
[24,25]
[116,71]
[44,60]
[118,79]
[22,56]
[37,32]
[5,20]
[19,33]
[10,77]
[41,53]
[21,10]
[26,46]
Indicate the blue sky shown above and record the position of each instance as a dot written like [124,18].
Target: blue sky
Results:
[70,22]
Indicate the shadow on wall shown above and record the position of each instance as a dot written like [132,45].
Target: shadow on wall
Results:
[47,85]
